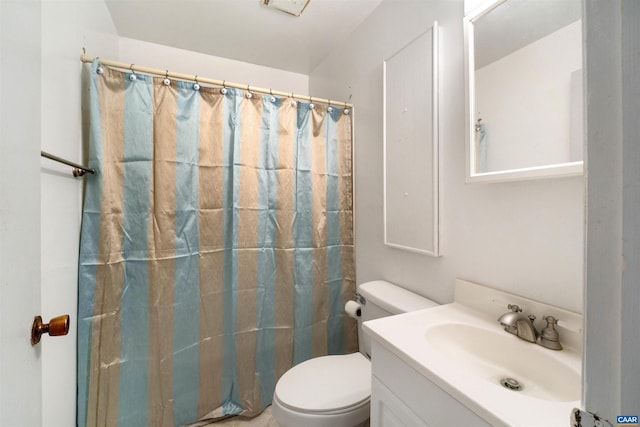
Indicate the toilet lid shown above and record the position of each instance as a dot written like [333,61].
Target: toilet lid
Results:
[326,383]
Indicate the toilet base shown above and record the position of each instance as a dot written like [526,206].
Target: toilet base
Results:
[357,416]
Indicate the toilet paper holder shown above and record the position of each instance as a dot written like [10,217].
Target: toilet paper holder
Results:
[353,307]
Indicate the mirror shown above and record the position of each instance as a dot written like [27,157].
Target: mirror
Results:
[524,89]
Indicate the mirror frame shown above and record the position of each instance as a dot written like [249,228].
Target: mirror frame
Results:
[557,170]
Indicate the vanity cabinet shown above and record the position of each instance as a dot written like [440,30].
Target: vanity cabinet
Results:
[402,397]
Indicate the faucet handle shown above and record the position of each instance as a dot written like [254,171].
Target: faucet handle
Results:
[532,318]
[549,337]
[514,308]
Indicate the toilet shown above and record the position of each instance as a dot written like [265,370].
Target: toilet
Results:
[335,391]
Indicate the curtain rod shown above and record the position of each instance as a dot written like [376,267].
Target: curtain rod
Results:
[224,83]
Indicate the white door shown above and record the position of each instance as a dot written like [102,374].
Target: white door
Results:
[20,363]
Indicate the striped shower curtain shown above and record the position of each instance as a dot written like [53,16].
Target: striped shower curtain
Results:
[216,248]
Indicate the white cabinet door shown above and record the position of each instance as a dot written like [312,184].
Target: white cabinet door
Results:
[389,411]
[20,366]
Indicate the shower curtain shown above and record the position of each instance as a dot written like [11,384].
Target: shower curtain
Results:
[481,146]
[216,248]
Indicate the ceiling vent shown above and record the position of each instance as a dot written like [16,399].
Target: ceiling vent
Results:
[292,7]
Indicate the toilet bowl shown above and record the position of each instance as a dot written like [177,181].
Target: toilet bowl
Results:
[335,391]
[328,390]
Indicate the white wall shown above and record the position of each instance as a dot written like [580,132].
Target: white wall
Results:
[187,62]
[67,27]
[521,237]
[534,127]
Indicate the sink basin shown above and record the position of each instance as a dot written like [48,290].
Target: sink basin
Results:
[496,355]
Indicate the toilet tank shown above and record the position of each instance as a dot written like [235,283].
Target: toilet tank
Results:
[384,299]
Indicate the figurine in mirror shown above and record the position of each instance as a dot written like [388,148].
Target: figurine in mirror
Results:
[525,88]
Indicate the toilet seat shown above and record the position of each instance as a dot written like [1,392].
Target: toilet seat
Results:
[328,384]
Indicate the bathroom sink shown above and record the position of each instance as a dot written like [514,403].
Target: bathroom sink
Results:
[495,356]
[461,349]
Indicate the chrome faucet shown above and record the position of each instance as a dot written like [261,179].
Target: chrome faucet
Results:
[522,326]
[518,324]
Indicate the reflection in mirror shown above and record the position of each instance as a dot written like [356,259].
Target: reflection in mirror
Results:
[525,87]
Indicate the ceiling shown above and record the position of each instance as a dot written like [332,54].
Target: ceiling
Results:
[243,30]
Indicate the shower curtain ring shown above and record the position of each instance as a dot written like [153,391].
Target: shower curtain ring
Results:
[99,70]
[224,88]
[132,76]
[249,94]
[196,85]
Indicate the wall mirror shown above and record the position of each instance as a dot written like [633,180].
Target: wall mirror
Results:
[410,121]
[524,90]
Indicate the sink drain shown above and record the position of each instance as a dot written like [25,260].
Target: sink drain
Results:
[511,384]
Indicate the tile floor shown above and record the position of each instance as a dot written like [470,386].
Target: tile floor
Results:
[265,419]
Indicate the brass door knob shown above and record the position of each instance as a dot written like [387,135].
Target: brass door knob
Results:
[56,327]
